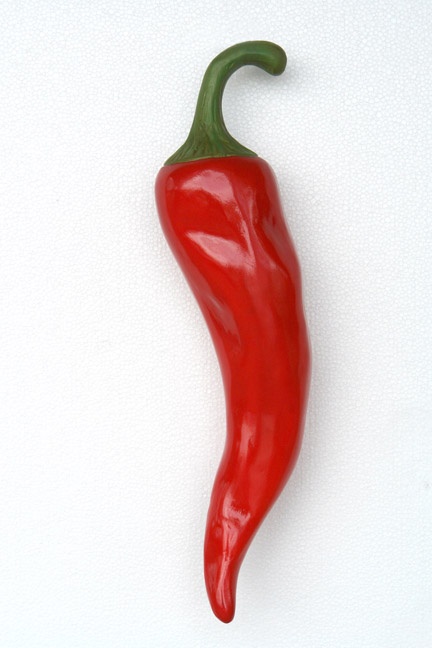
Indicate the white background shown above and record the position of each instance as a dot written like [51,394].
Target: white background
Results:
[111,406]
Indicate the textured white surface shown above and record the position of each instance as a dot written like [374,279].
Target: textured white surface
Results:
[111,409]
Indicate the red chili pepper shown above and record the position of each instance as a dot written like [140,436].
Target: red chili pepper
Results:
[220,211]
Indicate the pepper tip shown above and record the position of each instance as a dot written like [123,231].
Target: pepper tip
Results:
[221,582]
[224,610]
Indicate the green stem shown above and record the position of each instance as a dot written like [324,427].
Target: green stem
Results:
[208,136]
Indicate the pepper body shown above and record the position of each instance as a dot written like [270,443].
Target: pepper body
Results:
[224,223]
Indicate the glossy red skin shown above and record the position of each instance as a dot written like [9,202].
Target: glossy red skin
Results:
[223,220]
